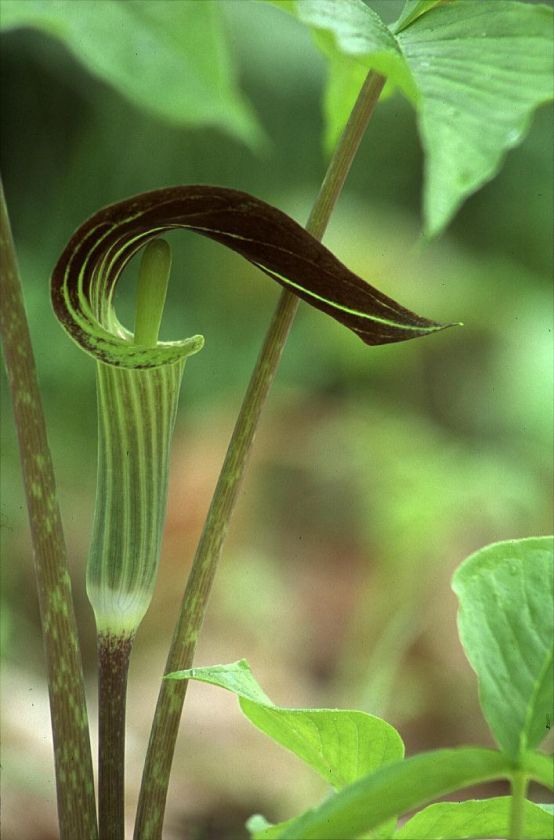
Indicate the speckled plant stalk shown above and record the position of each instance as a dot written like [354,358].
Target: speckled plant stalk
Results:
[161,747]
[72,754]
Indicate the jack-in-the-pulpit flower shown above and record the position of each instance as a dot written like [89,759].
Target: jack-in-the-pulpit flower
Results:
[139,378]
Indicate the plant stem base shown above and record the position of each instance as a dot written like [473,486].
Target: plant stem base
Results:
[114,653]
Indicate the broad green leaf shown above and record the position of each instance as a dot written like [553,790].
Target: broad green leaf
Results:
[411,11]
[506,624]
[473,820]
[169,58]
[340,745]
[396,789]
[86,274]
[481,69]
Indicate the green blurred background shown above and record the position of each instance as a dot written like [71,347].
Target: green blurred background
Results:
[375,471]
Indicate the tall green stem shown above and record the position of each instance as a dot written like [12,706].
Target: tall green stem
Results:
[519,783]
[165,727]
[72,753]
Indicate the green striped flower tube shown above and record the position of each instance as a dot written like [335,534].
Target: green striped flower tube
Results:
[136,417]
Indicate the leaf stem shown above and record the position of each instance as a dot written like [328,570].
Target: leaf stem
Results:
[114,653]
[72,753]
[519,783]
[155,780]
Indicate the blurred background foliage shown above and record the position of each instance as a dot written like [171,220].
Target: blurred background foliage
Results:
[375,471]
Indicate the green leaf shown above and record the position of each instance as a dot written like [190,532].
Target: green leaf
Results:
[236,677]
[401,787]
[506,624]
[340,745]
[355,30]
[355,40]
[396,789]
[473,819]
[539,767]
[349,28]
[411,11]
[169,58]
[475,71]
[85,275]
[481,69]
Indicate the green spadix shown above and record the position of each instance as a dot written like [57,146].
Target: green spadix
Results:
[153,281]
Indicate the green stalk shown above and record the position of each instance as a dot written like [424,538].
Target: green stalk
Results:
[136,416]
[72,753]
[519,783]
[155,780]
